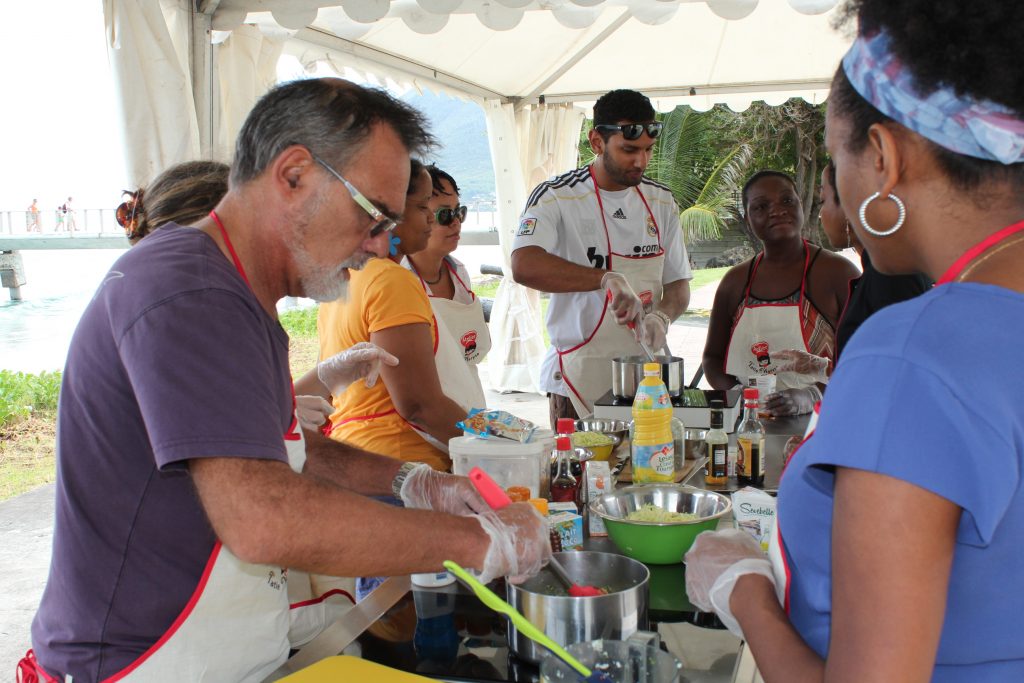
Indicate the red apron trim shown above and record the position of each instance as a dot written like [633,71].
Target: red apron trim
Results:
[565,379]
[31,671]
[604,221]
[292,434]
[785,568]
[185,613]
[328,594]
[604,312]
[360,418]
[746,296]
[231,248]
[975,251]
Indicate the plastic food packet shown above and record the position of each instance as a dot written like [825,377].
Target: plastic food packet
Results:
[484,424]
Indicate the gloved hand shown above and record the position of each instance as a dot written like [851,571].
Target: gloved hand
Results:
[312,411]
[427,489]
[362,360]
[792,401]
[520,542]
[625,304]
[652,331]
[715,561]
[802,363]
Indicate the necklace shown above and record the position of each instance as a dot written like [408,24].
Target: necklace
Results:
[989,254]
[440,274]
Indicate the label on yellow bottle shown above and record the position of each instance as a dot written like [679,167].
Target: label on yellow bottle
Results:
[654,463]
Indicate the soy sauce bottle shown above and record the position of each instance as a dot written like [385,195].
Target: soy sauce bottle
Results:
[563,484]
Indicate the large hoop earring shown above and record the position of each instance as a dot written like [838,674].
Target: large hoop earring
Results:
[900,206]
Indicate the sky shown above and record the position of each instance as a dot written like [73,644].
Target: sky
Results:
[58,134]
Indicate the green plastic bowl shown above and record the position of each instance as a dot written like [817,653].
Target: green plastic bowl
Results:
[659,542]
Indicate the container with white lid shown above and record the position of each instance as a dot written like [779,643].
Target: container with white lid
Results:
[508,462]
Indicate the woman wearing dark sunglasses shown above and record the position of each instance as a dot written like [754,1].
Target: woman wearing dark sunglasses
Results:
[445,279]
[411,413]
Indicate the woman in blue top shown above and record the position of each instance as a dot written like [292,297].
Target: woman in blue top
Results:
[901,520]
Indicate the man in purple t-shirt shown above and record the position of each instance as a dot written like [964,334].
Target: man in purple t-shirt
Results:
[179,503]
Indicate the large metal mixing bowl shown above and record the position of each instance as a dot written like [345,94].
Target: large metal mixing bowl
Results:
[659,542]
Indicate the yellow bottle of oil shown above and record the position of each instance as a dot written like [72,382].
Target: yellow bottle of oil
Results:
[653,447]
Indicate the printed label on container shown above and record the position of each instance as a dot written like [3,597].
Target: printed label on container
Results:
[654,463]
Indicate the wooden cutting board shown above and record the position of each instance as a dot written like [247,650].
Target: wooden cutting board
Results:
[345,669]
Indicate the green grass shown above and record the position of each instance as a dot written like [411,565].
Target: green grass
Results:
[300,323]
[705,276]
[22,394]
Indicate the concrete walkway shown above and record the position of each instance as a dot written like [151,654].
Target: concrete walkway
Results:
[26,522]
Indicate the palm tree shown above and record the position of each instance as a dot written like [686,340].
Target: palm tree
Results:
[703,179]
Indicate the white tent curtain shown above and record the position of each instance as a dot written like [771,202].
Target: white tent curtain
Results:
[149,44]
[528,145]
[155,103]
[247,64]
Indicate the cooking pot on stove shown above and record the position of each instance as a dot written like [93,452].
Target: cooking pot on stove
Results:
[614,616]
[628,372]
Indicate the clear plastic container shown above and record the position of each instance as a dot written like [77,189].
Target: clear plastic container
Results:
[508,462]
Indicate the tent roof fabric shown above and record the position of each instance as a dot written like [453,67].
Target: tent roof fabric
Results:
[675,51]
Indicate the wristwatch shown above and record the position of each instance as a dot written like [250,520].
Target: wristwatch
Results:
[399,480]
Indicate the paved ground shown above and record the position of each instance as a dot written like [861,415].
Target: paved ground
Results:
[26,522]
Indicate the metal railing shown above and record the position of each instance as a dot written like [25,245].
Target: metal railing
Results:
[55,222]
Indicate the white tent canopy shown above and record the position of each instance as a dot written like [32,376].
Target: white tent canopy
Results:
[187,71]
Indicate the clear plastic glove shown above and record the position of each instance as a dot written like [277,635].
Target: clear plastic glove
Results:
[360,361]
[427,489]
[802,363]
[312,411]
[520,542]
[652,331]
[625,304]
[792,401]
[715,561]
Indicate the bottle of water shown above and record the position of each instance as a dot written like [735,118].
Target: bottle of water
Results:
[653,447]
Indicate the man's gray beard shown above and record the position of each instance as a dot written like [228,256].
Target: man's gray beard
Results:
[324,283]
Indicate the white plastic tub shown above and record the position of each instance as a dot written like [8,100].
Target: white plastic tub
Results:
[508,462]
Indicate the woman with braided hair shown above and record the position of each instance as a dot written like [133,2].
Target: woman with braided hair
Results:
[900,518]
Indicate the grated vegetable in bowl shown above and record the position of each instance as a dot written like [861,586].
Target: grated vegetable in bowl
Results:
[588,439]
[652,513]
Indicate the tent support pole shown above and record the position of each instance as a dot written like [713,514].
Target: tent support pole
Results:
[205,88]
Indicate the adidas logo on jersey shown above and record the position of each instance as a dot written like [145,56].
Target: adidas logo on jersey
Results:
[619,213]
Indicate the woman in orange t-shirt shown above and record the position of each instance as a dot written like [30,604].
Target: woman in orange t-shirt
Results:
[406,415]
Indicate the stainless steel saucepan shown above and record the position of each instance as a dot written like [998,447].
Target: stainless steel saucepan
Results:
[628,372]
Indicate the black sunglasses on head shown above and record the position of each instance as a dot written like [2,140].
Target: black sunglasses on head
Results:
[632,131]
[445,216]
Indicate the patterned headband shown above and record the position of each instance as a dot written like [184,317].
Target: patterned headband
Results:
[976,128]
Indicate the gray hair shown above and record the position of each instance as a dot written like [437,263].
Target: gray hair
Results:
[330,116]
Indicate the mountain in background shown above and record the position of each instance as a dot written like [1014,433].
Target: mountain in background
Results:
[463,151]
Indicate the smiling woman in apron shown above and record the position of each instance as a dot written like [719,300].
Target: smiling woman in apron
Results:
[446,280]
[789,296]
[900,519]
[411,413]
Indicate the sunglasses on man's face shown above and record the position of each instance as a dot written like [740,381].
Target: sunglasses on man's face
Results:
[445,216]
[633,131]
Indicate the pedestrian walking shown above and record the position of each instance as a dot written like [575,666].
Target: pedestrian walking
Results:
[32,217]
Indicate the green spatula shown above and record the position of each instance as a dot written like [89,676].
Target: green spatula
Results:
[524,625]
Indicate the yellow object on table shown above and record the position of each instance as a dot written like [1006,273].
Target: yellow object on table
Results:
[345,668]
[600,444]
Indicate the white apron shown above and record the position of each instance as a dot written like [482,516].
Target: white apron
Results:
[586,368]
[237,626]
[764,328]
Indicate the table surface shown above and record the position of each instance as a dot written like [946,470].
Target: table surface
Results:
[448,634]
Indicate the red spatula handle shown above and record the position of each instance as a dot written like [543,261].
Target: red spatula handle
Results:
[488,489]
